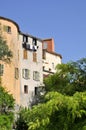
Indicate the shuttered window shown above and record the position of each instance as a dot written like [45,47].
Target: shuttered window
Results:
[34,57]
[16,73]
[24,54]
[1,69]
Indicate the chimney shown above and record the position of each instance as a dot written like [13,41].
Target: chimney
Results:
[48,44]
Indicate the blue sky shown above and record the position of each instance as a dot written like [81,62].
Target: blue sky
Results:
[63,20]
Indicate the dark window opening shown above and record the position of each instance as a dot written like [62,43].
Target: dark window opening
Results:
[44,54]
[25,38]
[43,67]
[25,89]
[36,90]
[34,42]
[7,28]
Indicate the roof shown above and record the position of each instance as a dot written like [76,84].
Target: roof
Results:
[11,21]
[29,35]
[7,19]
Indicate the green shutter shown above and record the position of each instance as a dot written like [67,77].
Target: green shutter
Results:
[23,73]
[33,75]
[1,69]
[5,28]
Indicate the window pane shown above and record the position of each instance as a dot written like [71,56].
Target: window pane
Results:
[26,73]
[36,76]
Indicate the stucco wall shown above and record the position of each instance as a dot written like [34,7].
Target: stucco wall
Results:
[32,66]
[8,79]
[50,62]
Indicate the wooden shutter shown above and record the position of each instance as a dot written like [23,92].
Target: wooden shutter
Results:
[34,57]
[25,54]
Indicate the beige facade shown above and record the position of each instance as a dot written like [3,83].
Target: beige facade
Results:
[10,32]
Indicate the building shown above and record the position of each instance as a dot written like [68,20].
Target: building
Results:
[24,75]
[50,57]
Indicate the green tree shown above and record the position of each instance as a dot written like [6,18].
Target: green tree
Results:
[64,106]
[6,110]
[69,78]
[59,112]
[5,52]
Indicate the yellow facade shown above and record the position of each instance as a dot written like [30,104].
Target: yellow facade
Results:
[11,36]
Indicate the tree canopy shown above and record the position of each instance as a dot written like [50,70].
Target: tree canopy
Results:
[6,110]
[64,104]
[69,78]
[5,52]
[59,112]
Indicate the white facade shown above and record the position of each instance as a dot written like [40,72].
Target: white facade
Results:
[33,67]
[50,61]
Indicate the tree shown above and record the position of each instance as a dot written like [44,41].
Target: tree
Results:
[6,109]
[69,78]
[64,106]
[59,112]
[5,52]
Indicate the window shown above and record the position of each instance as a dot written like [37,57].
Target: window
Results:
[25,73]
[34,42]
[34,57]
[53,65]
[36,91]
[25,89]
[36,76]
[45,45]
[24,54]
[43,67]
[16,73]
[25,38]
[1,69]
[49,69]
[44,54]
[7,28]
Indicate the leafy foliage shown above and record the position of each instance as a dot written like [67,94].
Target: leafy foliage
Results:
[69,78]
[5,52]
[64,106]
[59,112]
[6,110]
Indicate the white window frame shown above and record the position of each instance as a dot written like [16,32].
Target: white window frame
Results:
[36,75]
[26,73]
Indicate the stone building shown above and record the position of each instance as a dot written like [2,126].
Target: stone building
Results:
[24,75]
